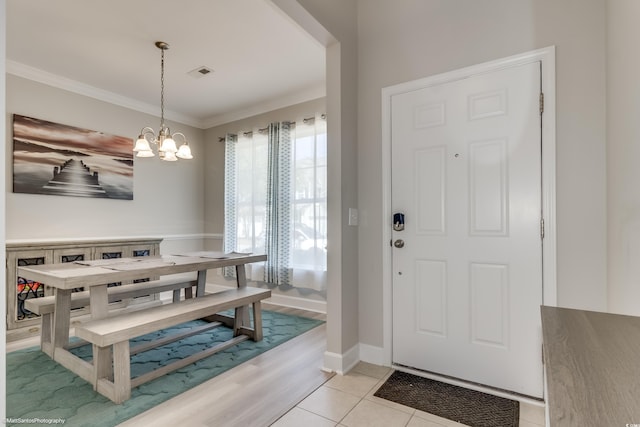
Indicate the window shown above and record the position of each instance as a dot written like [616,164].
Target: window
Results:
[309,201]
[291,230]
[251,196]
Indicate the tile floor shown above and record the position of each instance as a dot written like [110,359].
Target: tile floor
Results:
[348,401]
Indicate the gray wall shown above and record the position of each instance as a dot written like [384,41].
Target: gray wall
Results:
[405,40]
[623,155]
[333,24]
[168,197]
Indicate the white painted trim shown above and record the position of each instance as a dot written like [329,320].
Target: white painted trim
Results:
[37,75]
[64,83]
[299,303]
[550,286]
[213,236]
[176,237]
[308,94]
[546,57]
[372,354]
[332,362]
[341,363]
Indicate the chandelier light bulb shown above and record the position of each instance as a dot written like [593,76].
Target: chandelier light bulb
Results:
[184,152]
[169,146]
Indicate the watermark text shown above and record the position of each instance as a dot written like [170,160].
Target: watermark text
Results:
[35,421]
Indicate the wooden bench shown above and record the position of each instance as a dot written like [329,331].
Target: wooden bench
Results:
[45,306]
[111,371]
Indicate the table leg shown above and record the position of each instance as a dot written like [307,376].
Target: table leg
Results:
[61,319]
[202,281]
[241,276]
[241,280]
[99,301]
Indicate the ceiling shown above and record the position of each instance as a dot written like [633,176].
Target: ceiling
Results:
[106,49]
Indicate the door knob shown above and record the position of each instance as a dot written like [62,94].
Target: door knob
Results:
[399,243]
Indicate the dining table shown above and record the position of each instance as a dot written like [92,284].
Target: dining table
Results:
[96,275]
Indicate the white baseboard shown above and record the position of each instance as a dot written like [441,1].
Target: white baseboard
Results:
[341,363]
[300,303]
[372,354]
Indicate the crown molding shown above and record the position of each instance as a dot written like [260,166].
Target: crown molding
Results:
[35,74]
[64,83]
[309,94]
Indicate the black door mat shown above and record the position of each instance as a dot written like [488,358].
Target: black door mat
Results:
[465,406]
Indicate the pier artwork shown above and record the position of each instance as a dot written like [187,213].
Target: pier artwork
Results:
[62,160]
[74,178]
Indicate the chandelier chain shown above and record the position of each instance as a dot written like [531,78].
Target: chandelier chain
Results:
[162,89]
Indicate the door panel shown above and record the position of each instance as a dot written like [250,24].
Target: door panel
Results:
[430,192]
[466,172]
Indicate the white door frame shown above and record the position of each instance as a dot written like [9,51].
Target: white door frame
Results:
[546,57]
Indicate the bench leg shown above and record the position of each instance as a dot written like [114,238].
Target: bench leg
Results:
[46,323]
[121,372]
[102,364]
[237,320]
[257,321]
[176,295]
[188,292]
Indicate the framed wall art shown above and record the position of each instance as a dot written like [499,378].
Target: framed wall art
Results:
[56,159]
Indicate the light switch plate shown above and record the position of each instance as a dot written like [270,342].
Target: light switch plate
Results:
[353,216]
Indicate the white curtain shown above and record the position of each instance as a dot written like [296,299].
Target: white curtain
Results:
[278,223]
[275,201]
[245,196]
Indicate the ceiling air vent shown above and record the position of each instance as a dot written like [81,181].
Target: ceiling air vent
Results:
[200,72]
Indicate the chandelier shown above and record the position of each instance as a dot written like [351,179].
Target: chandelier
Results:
[165,140]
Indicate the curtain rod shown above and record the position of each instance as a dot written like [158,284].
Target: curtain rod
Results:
[263,130]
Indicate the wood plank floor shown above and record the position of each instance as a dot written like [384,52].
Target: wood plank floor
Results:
[255,393]
[260,391]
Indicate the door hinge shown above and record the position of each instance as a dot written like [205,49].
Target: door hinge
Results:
[541,102]
[542,228]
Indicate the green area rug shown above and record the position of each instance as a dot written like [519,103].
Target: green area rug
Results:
[41,392]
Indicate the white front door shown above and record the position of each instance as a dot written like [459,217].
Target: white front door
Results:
[466,174]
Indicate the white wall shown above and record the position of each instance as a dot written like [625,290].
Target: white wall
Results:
[405,40]
[623,155]
[168,197]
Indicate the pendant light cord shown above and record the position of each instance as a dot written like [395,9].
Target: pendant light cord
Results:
[162,89]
